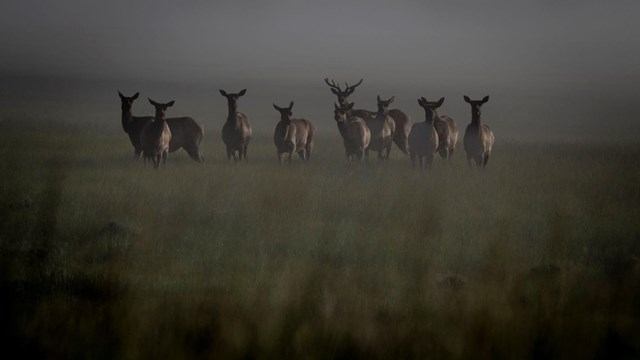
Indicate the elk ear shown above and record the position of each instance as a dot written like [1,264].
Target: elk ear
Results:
[350,106]
[466,99]
[223,93]
[391,100]
[135,96]
[120,94]
[242,92]
[439,103]
[170,103]
[421,101]
[276,107]
[335,92]
[378,97]
[485,99]
[291,106]
[153,102]
[335,106]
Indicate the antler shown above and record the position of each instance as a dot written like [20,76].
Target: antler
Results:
[352,88]
[332,84]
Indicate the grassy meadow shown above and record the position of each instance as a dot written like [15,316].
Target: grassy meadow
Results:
[537,256]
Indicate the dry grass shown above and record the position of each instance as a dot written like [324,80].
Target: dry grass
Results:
[535,257]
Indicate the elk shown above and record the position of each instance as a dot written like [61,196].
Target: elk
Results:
[236,131]
[402,121]
[156,135]
[354,131]
[382,128]
[293,135]
[445,127]
[478,137]
[423,138]
[187,133]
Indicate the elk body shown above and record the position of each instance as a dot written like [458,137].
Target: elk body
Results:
[445,127]
[423,139]
[354,131]
[382,128]
[478,137]
[187,133]
[293,135]
[236,131]
[156,135]
[401,120]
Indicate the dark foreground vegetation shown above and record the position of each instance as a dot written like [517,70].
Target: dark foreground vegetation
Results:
[536,257]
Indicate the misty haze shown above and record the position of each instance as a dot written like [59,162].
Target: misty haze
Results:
[532,251]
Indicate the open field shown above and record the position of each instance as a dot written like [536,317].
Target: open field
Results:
[535,257]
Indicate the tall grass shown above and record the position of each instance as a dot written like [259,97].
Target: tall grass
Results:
[536,256]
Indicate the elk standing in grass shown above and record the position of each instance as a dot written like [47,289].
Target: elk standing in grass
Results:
[423,138]
[478,137]
[236,132]
[382,128]
[445,127]
[156,135]
[187,133]
[293,135]
[354,131]
[401,120]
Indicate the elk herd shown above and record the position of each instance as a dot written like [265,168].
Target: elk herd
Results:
[153,137]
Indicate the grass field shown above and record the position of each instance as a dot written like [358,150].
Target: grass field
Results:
[537,256]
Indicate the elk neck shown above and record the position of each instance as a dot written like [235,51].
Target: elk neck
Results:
[126,116]
[382,111]
[159,119]
[475,117]
[430,116]
[233,110]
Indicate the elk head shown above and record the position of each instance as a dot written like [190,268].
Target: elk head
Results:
[127,102]
[285,113]
[475,106]
[161,108]
[341,113]
[232,99]
[383,105]
[430,107]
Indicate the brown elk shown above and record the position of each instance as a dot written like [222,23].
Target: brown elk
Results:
[478,137]
[236,132]
[156,135]
[293,135]
[187,133]
[354,131]
[423,138]
[402,121]
[445,127]
[382,128]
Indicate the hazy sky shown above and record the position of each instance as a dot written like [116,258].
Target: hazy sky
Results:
[541,60]
[498,40]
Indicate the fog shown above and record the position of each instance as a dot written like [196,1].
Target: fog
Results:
[567,69]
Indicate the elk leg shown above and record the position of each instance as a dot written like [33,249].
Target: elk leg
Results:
[194,153]
[164,157]
[302,154]
[486,160]
[228,155]
[444,152]
[308,151]
[366,155]
[388,150]
[413,161]
[244,152]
